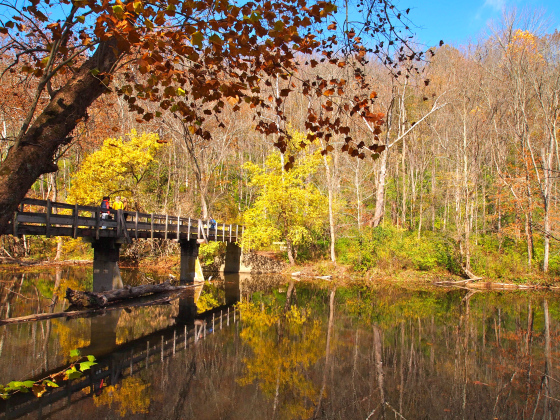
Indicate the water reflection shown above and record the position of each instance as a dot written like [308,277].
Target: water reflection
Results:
[301,350]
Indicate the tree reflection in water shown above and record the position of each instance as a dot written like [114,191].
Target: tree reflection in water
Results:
[362,352]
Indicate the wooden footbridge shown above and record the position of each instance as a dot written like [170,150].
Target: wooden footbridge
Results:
[48,218]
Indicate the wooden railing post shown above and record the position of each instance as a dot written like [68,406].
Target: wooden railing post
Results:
[189,231]
[97,217]
[178,227]
[230,231]
[136,225]
[118,216]
[48,219]
[152,227]
[166,222]
[75,222]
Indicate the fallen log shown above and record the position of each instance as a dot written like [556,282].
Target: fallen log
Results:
[470,284]
[83,299]
[161,299]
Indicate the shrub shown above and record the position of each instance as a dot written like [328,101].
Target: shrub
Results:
[390,247]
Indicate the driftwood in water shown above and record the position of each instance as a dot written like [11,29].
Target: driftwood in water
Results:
[162,299]
[470,284]
[84,299]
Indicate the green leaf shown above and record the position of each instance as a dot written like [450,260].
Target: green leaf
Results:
[117,9]
[50,383]
[196,39]
[90,357]
[73,375]
[81,19]
[94,72]
[86,365]
[28,384]
[75,353]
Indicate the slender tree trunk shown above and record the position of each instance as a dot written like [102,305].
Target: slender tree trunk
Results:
[377,350]
[380,190]
[327,353]
[290,251]
[330,188]
[546,383]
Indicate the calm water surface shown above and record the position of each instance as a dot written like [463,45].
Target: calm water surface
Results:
[286,351]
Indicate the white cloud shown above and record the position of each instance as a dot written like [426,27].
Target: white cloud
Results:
[495,4]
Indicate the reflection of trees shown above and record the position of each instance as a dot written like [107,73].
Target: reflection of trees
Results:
[210,298]
[131,396]
[143,321]
[70,336]
[285,344]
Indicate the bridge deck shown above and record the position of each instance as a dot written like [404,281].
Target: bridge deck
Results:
[48,218]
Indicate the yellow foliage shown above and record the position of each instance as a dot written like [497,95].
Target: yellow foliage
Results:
[284,347]
[132,396]
[119,166]
[288,205]
[524,44]
[71,337]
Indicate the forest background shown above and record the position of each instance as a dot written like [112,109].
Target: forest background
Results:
[466,183]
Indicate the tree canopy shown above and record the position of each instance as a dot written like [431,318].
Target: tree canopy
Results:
[188,57]
[117,168]
[288,206]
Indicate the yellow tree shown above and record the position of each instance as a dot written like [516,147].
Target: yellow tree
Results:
[289,207]
[117,168]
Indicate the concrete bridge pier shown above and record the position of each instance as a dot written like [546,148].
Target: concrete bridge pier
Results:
[106,272]
[232,285]
[189,254]
[187,310]
[233,258]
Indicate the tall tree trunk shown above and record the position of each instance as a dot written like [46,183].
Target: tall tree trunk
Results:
[327,353]
[330,188]
[380,190]
[377,352]
[32,154]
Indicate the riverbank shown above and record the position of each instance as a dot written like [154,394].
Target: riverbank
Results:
[169,265]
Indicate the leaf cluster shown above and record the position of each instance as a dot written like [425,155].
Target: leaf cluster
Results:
[74,371]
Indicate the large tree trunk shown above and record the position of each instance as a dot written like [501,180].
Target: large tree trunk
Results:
[32,154]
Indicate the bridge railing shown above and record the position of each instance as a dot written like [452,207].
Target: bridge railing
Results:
[49,218]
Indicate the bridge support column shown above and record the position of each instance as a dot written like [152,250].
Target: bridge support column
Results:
[233,258]
[189,254]
[106,272]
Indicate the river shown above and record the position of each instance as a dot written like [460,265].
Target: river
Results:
[286,350]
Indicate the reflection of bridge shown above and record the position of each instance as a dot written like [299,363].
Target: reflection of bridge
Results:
[120,361]
[40,217]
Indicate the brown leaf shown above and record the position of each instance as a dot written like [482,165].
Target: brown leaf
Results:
[39,389]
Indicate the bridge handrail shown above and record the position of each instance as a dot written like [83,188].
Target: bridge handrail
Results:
[59,224]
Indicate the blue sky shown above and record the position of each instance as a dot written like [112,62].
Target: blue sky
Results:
[459,21]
